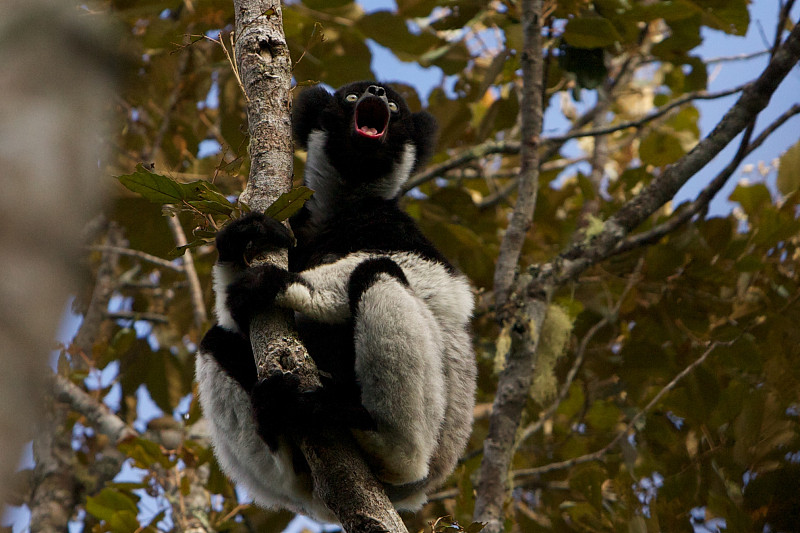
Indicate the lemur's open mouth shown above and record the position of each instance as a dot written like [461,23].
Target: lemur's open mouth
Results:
[372,117]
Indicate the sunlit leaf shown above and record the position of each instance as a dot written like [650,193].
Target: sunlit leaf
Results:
[109,502]
[152,186]
[289,203]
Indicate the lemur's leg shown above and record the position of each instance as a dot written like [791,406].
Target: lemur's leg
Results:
[399,364]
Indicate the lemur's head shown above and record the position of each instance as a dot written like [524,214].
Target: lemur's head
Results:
[365,131]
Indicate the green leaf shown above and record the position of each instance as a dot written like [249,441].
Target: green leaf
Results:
[123,522]
[415,8]
[289,203]
[145,453]
[212,207]
[109,502]
[588,479]
[590,32]
[789,170]
[164,190]
[751,197]
[154,187]
[587,64]
[180,250]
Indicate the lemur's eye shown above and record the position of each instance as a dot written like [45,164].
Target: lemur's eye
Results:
[352,97]
[393,107]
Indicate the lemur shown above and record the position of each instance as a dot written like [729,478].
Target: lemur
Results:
[383,314]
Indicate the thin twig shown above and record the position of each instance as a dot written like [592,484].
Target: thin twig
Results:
[138,254]
[195,290]
[707,194]
[661,111]
[629,428]
[156,318]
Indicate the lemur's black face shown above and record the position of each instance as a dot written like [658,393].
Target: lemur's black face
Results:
[369,130]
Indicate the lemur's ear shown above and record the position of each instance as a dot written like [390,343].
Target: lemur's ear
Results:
[306,112]
[424,137]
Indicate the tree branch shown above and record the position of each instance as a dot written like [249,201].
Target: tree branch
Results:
[462,158]
[515,380]
[144,256]
[195,290]
[99,415]
[341,477]
[531,111]
[629,428]
[661,111]
[754,98]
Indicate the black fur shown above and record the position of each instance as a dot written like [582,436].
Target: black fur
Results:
[234,354]
[357,159]
[372,225]
[241,240]
[365,274]
[282,407]
[254,291]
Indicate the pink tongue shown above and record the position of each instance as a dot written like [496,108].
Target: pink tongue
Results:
[368,130]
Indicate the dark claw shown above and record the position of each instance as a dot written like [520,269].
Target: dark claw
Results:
[244,238]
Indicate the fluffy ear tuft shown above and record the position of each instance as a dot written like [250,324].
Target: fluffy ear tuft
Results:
[306,111]
[425,134]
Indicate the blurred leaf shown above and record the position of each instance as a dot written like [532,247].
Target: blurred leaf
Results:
[145,453]
[659,149]
[180,250]
[415,8]
[588,480]
[588,64]
[752,198]
[590,32]
[789,170]
[603,415]
[109,502]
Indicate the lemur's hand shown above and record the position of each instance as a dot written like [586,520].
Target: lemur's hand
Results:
[244,238]
[254,291]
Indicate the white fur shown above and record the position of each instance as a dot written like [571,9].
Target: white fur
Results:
[223,274]
[414,362]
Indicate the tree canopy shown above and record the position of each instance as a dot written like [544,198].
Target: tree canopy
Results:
[659,341]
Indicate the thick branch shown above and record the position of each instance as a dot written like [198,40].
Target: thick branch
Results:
[753,99]
[531,113]
[515,379]
[701,202]
[98,414]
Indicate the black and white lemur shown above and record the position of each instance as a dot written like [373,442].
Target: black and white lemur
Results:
[381,311]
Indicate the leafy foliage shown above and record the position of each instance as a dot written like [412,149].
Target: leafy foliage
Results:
[722,443]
